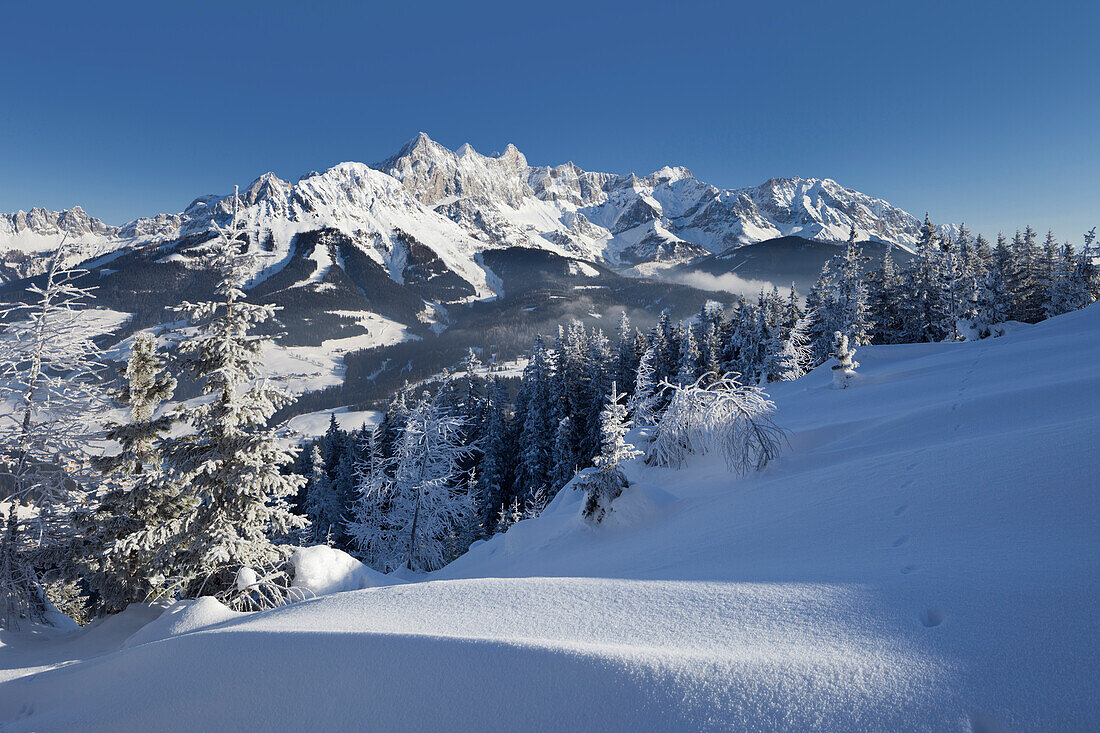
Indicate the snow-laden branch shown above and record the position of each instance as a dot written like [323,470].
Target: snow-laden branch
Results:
[725,416]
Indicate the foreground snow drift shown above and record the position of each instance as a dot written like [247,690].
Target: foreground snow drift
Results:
[924,556]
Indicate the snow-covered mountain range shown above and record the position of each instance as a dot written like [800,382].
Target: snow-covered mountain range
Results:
[454,249]
[457,204]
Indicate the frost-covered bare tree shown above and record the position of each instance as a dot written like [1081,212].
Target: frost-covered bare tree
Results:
[228,466]
[724,417]
[50,400]
[49,385]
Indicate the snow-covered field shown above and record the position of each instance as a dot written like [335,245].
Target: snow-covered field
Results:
[314,424]
[923,556]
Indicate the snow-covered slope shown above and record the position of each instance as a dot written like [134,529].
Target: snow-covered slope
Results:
[923,557]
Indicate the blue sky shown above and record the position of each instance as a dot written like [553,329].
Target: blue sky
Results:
[987,112]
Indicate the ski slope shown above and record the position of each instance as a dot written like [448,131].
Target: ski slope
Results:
[923,557]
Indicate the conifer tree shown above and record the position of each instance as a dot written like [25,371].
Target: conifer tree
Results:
[535,419]
[848,299]
[608,481]
[427,504]
[374,529]
[689,356]
[883,301]
[322,505]
[138,492]
[844,368]
[493,467]
[23,599]
[644,401]
[229,466]
[626,352]
[789,357]
[564,459]
[710,353]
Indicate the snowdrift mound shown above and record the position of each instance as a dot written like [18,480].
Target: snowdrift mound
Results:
[924,556]
[183,617]
[321,570]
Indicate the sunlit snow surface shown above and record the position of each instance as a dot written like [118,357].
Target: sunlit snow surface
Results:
[924,556]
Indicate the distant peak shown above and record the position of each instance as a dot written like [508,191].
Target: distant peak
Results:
[419,144]
[672,173]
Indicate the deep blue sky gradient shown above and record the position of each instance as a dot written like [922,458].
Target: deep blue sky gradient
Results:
[987,112]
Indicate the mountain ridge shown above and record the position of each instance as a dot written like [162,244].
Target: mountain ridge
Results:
[461,202]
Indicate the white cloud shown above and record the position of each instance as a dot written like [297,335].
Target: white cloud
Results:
[726,282]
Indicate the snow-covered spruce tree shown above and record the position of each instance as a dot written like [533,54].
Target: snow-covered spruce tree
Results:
[844,370]
[229,465]
[959,295]
[535,503]
[563,459]
[535,420]
[50,389]
[848,300]
[22,598]
[725,416]
[608,481]
[645,400]
[922,307]
[509,514]
[662,338]
[492,473]
[626,352]
[789,358]
[1023,278]
[136,491]
[373,528]
[689,355]
[1078,284]
[1086,271]
[993,302]
[322,505]
[710,350]
[883,301]
[428,502]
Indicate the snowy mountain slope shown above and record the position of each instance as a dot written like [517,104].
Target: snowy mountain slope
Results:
[923,557]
